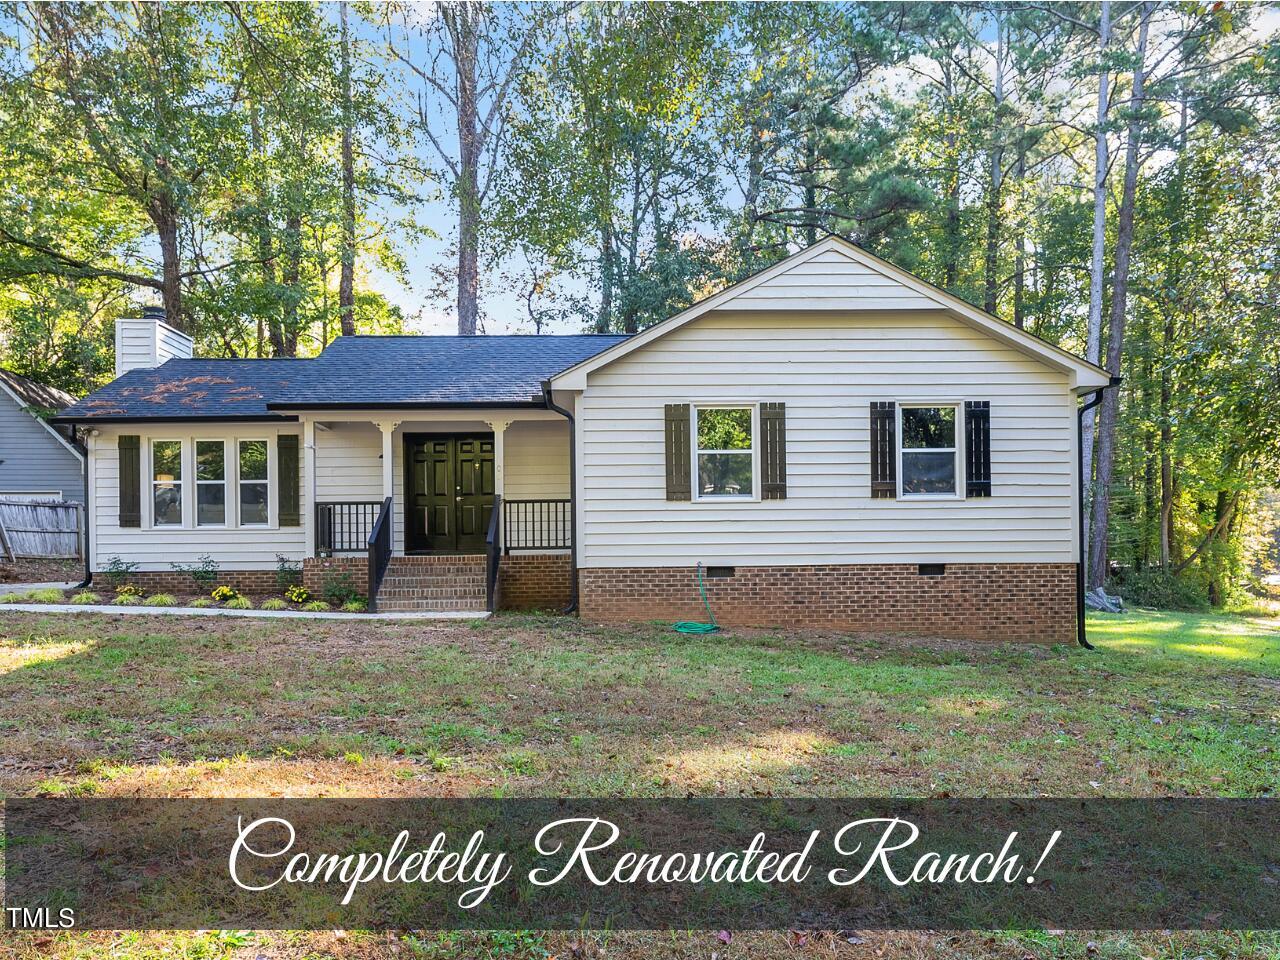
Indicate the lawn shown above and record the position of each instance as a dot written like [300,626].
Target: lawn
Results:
[1170,704]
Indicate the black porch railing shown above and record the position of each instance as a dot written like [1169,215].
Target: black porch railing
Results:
[345,526]
[379,552]
[493,553]
[537,525]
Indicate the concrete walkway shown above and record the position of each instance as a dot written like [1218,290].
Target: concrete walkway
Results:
[258,614]
[7,588]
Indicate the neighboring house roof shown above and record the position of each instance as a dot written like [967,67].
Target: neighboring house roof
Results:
[751,294]
[190,390]
[352,372]
[32,394]
[39,400]
[415,371]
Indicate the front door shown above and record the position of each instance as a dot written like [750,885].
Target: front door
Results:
[449,496]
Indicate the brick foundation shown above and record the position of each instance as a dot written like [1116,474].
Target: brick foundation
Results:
[533,581]
[526,581]
[258,583]
[1015,601]
[316,570]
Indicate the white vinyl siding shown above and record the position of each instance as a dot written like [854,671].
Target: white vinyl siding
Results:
[155,548]
[537,460]
[827,369]
[831,281]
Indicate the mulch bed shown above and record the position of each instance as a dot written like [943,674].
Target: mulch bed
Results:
[41,571]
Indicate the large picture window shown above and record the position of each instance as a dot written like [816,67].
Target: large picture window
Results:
[928,449]
[211,483]
[253,483]
[166,483]
[725,452]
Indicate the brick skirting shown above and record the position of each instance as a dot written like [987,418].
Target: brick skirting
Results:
[1013,601]
[526,581]
[533,581]
[258,583]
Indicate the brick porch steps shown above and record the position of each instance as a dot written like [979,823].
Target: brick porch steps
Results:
[438,583]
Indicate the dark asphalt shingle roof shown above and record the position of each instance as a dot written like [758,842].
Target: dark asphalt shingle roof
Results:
[356,371]
[190,390]
[34,394]
[351,372]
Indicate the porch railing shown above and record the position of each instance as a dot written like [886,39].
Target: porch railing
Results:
[493,554]
[537,525]
[379,552]
[345,526]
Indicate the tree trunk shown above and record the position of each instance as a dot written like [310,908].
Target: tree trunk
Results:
[1097,266]
[991,261]
[952,253]
[604,320]
[810,187]
[265,253]
[292,276]
[347,278]
[164,217]
[1115,334]
[462,30]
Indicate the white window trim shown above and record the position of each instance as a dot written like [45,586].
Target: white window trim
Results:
[183,486]
[269,481]
[195,462]
[189,483]
[957,443]
[695,486]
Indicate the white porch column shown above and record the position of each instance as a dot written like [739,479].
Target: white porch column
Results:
[499,428]
[388,428]
[309,484]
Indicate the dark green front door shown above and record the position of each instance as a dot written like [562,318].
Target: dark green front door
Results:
[449,499]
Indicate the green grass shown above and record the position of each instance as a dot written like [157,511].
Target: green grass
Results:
[1169,704]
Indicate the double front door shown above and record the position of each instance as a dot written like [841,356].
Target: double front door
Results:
[449,495]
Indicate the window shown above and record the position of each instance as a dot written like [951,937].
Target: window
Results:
[253,483]
[726,453]
[211,483]
[166,483]
[928,449]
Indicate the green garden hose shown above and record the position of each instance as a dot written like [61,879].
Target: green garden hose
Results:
[693,626]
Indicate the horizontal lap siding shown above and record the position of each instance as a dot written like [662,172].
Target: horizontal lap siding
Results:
[31,458]
[155,549]
[827,369]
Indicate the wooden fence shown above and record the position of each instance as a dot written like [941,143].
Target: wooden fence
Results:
[41,529]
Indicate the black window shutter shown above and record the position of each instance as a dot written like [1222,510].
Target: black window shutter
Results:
[288,504]
[977,448]
[679,470]
[130,449]
[884,450]
[773,451]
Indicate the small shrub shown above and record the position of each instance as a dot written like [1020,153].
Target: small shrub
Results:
[357,605]
[126,599]
[160,600]
[1160,589]
[86,596]
[353,758]
[297,593]
[288,574]
[223,594]
[47,595]
[275,603]
[316,606]
[201,602]
[338,589]
[128,590]
[11,598]
[118,571]
[204,571]
[239,603]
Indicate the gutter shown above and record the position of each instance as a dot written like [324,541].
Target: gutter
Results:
[573,495]
[1096,399]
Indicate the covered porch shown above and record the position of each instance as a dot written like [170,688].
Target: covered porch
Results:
[423,484]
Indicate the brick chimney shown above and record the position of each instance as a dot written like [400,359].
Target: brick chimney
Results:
[149,341]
